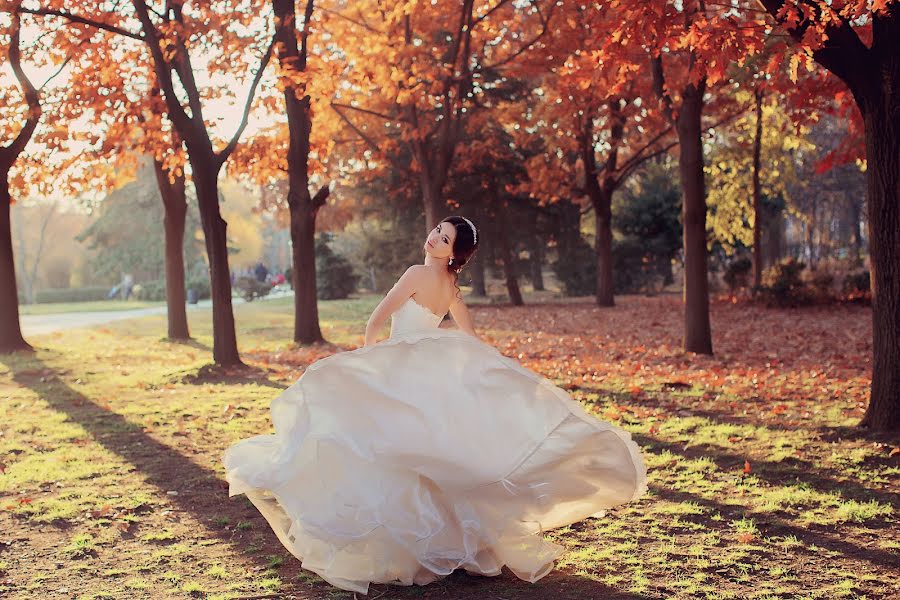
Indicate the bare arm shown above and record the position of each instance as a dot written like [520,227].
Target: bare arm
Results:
[461,317]
[394,299]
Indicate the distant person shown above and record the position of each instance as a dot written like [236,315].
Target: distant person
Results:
[126,286]
[261,272]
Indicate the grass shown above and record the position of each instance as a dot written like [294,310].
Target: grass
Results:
[95,305]
[111,441]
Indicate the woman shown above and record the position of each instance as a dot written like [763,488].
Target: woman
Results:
[430,451]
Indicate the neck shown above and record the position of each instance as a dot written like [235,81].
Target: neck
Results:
[431,261]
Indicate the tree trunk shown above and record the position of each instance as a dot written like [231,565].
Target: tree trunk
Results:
[481,257]
[856,230]
[873,76]
[603,245]
[601,198]
[757,192]
[478,285]
[882,128]
[303,239]
[225,351]
[303,207]
[10,329]
[811,236]
[431,199]
[537,265]
[697,333]
[569,227]
[774,236]
[509,267]
[174,200]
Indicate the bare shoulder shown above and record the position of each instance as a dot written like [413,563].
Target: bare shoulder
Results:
[416,272]
[412,279]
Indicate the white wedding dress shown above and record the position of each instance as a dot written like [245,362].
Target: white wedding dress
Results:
[428,452]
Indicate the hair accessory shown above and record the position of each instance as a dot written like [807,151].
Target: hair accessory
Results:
[474,231]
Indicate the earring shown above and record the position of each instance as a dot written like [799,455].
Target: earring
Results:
[451,262]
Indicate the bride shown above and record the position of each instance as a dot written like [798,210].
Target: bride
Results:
[429,451]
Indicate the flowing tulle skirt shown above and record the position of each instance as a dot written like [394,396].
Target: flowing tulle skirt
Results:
[428,452]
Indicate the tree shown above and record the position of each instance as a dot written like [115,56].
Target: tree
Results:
[834,37]
[303,205]
[647,220]
[123,243]
[753,163]
[28,269]
[421,69]
[691,46]
[126,122]
[593,111]
[169,33]
[28,116]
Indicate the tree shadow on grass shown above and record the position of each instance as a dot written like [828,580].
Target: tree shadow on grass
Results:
[773,525]
[190,342]
[202,494]
[788,471]
[213,373]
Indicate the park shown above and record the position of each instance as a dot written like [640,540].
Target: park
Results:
[688,220]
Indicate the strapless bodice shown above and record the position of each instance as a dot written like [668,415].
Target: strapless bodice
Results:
[412,316]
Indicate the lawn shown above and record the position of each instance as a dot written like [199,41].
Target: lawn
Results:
[760,486]
[96,305]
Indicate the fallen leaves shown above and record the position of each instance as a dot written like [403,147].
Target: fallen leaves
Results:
[780,363]
[745,537]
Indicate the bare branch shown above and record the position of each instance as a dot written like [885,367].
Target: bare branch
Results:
[307,17]
[545,26]
[58,71]
[368,112]
[32,96]
[49,12]
[341,15]
[637,156]
[163,70]
[224,154]
[491,11]
[352,126]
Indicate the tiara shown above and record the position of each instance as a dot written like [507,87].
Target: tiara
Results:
[474,231]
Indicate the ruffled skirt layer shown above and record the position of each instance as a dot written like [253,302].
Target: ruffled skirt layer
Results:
[429,452]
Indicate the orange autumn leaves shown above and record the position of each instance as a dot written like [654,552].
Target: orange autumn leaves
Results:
[779,365]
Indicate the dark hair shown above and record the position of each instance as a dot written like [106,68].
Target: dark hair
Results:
[464,246]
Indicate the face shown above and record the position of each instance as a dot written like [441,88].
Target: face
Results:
[439,242]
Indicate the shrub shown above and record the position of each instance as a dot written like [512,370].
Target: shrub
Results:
[250,288]
[576,269]
[82,294]
[152,290]
[200,284]
[783,285]
[737,273]
[335,278]
[638,266]
[857,286]
[822,281]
